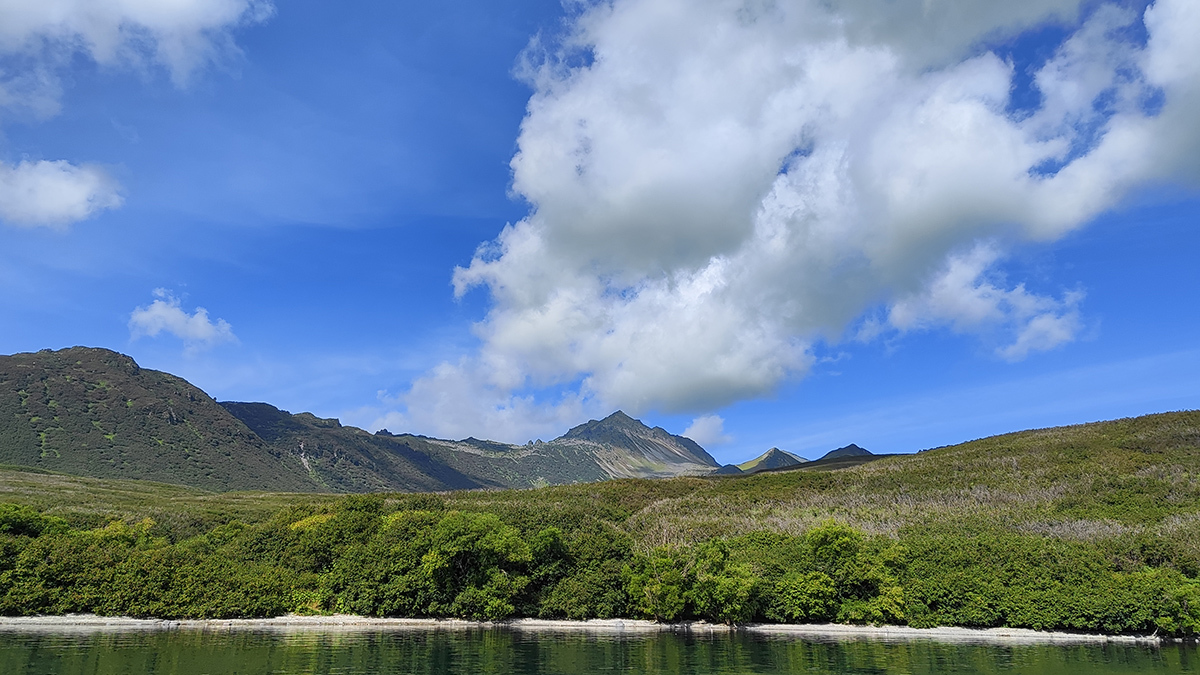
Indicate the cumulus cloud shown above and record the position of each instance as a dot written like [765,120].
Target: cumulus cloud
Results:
[54,193]
[708,430]
[719,185]
[39,39]
[165,315]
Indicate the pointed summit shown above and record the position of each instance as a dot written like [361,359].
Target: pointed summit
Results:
[771,459]
[638,443]
[599,430]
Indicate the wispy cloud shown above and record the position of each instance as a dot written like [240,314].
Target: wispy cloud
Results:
[961,296]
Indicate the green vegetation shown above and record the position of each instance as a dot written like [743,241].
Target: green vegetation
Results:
[1094,528]
[94,412]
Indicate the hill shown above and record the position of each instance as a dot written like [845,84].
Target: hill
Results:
[94,412]
[1089,481]
[851,450]
[617,446]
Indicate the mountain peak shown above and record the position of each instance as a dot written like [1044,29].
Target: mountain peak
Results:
[851,450]
[621,430]
[616,422]
[771,459]
[619,417]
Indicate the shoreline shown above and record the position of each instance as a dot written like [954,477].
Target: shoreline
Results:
[291,623]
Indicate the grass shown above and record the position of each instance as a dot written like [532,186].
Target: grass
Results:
[1090,527]
[1084,482]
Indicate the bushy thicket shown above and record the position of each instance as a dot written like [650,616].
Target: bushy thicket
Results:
[417,558]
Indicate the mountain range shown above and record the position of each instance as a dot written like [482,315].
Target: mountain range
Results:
[95,412]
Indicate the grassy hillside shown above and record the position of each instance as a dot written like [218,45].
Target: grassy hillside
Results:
[1090,527]
[94,412]
[1082,482]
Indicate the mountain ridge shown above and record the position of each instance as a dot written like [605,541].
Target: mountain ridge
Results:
[95,412]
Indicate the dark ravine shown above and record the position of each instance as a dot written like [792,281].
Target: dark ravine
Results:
[94,412]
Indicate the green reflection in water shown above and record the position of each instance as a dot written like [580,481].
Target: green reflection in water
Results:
[498,651]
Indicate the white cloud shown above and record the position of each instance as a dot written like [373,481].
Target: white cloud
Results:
[54,193]
[716,185]
[39,39]
[455,401]
[708,430]
[181,35]
[165,315]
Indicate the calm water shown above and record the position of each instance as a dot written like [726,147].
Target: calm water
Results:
[502,651]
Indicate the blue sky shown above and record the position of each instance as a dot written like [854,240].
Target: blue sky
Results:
[774,225]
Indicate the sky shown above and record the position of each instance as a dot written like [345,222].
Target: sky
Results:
[799,224]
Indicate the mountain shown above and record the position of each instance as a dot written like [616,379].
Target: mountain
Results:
[851,450]
[94,412]
[771,459]
[626,448]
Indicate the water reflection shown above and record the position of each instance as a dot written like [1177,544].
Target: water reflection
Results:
[496,651]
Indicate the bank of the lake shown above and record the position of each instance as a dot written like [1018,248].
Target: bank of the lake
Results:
[349,622]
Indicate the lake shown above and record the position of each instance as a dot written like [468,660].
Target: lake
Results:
[487,651]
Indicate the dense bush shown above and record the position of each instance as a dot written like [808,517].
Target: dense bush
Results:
[418,557]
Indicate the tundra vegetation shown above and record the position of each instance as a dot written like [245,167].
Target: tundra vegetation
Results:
[1093,527]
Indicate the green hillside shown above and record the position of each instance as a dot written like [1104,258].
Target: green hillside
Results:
[1093,527]
[1088,481]
[94,412]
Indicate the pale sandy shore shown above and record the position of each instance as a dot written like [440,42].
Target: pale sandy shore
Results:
[75,623]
